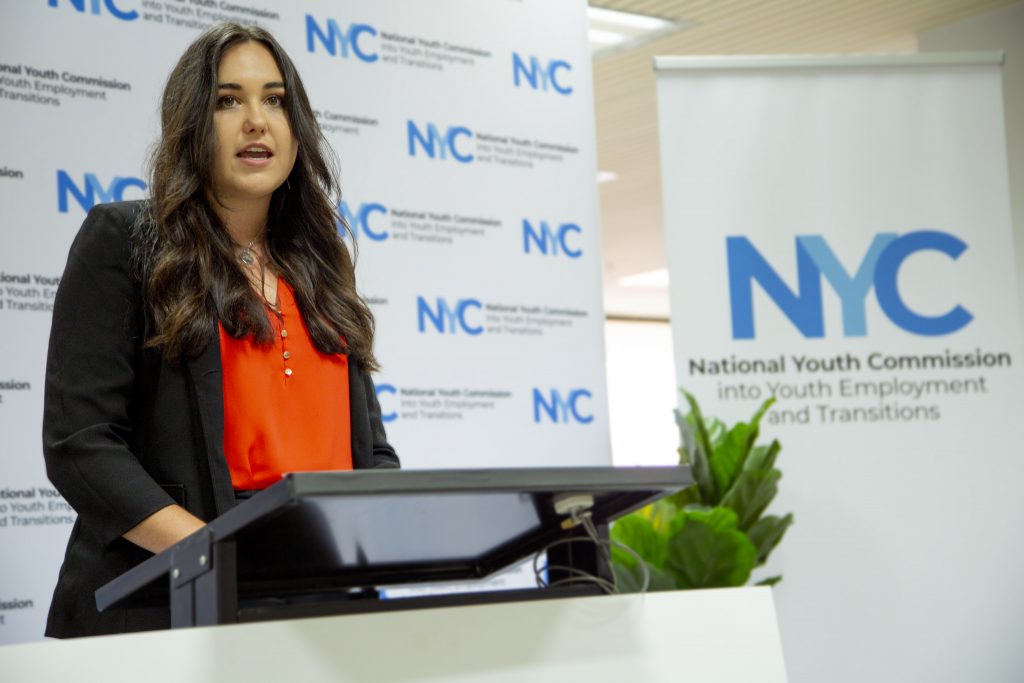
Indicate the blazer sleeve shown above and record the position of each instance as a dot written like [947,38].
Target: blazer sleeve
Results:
[384,456]
[90,378]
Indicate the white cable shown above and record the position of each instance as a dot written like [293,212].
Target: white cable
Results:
[603,546]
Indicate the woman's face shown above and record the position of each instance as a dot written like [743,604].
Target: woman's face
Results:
[255,146]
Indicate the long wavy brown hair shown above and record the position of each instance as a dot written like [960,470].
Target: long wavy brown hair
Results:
[182,254]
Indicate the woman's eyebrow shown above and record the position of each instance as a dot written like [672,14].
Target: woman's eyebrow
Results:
[235,86]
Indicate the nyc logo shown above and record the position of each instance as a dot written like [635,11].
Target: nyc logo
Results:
[340,42]
[540,75]
[92,191]
[97,7]
[437,144]
[551,241]
[448,318]
[879,270]
[359,220]
[561,407]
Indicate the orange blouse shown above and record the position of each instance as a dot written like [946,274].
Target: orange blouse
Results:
[286,406]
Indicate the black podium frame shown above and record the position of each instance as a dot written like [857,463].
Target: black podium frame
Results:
[319,543]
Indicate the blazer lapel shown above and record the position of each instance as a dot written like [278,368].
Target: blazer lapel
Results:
[205,370]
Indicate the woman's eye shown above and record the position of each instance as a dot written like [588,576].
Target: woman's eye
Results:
[275,100]
[227,101]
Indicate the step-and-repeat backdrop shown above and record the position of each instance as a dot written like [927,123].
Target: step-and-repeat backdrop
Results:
[839,237]
[466,137]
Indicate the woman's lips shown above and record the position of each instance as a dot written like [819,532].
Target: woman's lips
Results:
[257,156]
[256,161]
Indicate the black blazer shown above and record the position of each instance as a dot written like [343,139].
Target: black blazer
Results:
[126,434]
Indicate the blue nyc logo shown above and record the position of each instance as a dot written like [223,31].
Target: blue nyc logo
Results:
[435,144]
[94,192]
[386,389]
[446,318]
[879,269]
[338,42]
[559,409]
[545,239]
[96,7]
[359,221]
[540,76]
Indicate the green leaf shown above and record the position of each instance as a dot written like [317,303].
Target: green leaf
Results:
[700,556]
[766,533]
[697,419]
[770,581]
[716,431]
[639,534]
[688,496]
[718,518]
[755,422]
[660,514]
[630,579]
[661,580]
[729,456]
[751,495]
[696,448]
[763,457]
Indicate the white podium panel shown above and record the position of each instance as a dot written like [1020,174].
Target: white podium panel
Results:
[725,636]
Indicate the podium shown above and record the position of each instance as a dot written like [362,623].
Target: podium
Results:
[318,544]
[726,635]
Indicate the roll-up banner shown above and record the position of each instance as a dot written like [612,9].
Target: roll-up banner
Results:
[465,132]
[839,238]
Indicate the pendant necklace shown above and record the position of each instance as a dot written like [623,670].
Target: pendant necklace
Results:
[249,258]
[246,256]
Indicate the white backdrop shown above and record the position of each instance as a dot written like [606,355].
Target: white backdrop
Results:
[839,235]
[466,136]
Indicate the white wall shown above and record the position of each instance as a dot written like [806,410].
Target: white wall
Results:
[641,392]
[1001,29]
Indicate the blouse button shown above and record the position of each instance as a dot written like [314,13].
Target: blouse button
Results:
[287,355]
[287,372]
[284,334]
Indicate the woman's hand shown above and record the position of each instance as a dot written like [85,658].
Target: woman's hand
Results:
[164,528]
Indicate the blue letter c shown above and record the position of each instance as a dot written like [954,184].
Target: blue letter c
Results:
[887,289]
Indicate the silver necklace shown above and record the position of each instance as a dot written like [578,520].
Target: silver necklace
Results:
[247,256]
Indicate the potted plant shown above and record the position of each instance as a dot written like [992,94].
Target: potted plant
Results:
[713,533]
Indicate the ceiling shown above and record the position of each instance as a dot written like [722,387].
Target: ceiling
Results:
[625,109]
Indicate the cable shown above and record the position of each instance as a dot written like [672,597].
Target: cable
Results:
[582,516]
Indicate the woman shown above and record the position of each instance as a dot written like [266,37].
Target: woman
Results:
[209,340]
